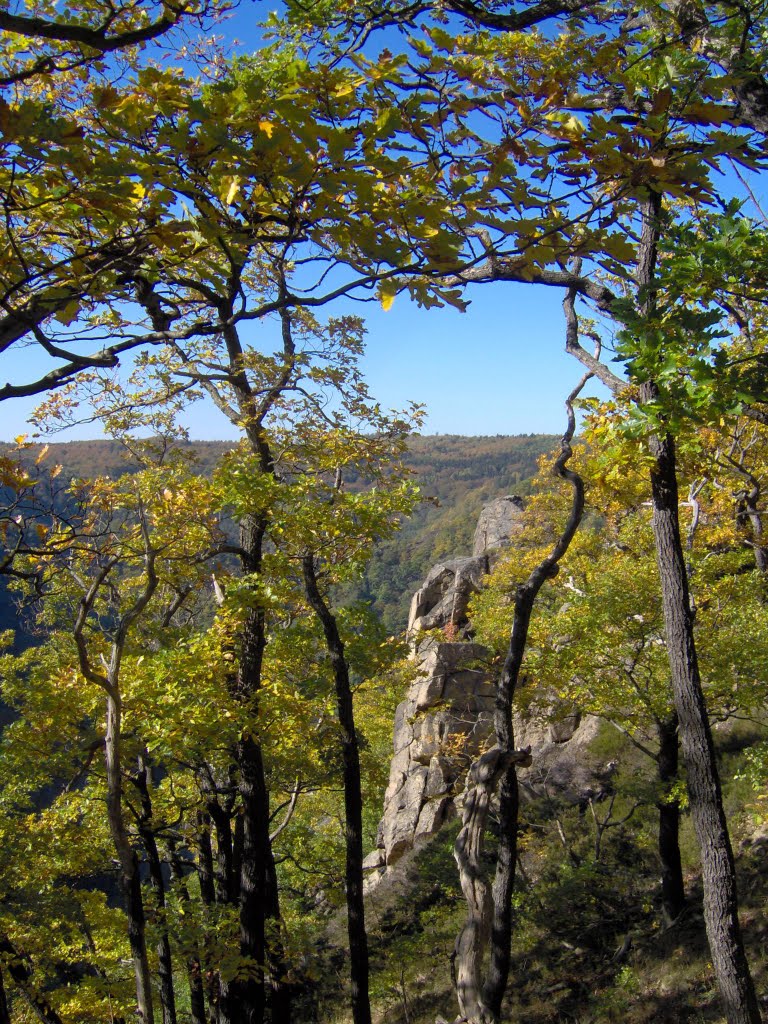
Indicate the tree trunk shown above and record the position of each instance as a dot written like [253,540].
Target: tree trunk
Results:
[672,885]
[226,886]
[215,991]
[205,860]
[718,869]
[194,966]
[509,807]
[472,940]
[509,801]
[165,960]
[248,994]
[128,871]
[353,801]
[259,899]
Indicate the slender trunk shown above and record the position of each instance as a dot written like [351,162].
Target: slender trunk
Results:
[227,892]
[205,860]
[259,899]
[509,800]
[353,800]
[718,869]
[672,885]
[509,807]
[755,516]
[249,994]
[165,960]
[226,888]
[218,1002]
[194,965]
[128,870]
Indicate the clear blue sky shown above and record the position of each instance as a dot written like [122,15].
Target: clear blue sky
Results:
[499,368]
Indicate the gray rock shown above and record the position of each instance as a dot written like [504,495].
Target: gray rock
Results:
[499,522]
[403,729]
[402,814]
[432,816]
[373,861]
[446,722]
[441,776]
[444,595]
[563,730]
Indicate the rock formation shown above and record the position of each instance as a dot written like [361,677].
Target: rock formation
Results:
[499,524]
[446,720]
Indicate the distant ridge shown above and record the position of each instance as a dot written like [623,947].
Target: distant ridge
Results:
[457,473]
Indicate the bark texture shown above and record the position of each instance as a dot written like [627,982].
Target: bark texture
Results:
[672,884]
[718,869]
[353,799]
[472,941]
[491,921]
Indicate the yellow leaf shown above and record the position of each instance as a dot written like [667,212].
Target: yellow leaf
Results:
[234,188]
[386,301]
[267,127]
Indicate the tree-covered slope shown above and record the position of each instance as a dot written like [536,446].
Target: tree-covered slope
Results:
[456,476]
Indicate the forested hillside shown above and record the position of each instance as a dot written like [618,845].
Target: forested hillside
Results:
[455,475]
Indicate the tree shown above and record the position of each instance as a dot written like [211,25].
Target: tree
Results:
[631,145]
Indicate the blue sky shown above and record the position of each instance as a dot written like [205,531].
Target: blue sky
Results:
[499,368]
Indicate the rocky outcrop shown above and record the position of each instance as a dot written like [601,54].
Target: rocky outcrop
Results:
[499,524]
[446,721]
[442,599]
[439,729]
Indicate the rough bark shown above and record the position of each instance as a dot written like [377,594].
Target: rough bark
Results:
[672,883]
[473,939]
[259,900]
[718,869]
[353,800]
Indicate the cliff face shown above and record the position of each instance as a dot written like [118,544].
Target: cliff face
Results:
[446,720]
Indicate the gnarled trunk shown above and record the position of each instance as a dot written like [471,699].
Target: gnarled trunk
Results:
[473,939]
